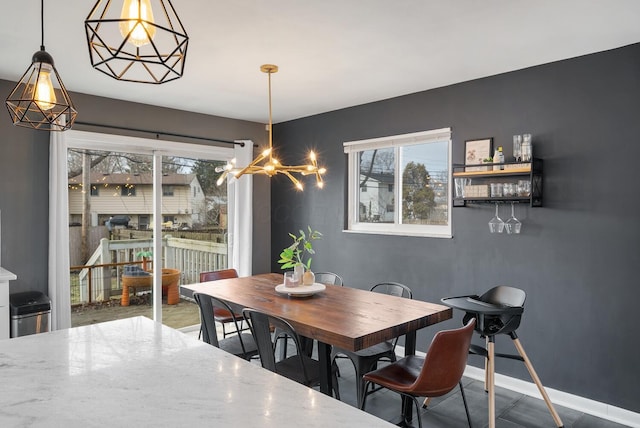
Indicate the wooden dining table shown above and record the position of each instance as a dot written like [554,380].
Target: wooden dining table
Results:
[345,317]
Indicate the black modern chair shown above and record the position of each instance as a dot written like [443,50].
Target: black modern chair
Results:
[367,359]
[498,311]
[434,375]
[329,278]
[241,344]
[298,367]
[223,316]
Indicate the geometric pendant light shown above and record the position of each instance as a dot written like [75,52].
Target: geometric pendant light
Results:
[40,100]
[139,41]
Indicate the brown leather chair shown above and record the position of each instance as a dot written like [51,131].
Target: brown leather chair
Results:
[221,315]
[432,376]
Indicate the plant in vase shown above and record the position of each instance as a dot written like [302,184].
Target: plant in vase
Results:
[298,254]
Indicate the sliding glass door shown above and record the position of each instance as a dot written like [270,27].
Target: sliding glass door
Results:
[138,211]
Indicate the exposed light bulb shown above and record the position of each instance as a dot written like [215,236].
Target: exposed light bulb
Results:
[138,17]
[45,96]
[322,170]
[321,184]
[312,155]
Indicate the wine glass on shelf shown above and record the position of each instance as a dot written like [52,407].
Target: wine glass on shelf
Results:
[496,225]
[512,225]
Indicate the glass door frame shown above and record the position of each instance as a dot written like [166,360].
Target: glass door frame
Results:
[157,149]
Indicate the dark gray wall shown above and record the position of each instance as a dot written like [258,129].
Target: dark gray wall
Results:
[577,257]
[24,175]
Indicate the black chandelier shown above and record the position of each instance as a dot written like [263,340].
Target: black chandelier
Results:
[142,41]
[40,100]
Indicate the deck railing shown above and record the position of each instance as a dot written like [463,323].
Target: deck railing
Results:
[100,278]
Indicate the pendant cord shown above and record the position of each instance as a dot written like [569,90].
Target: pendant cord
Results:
[41,25]
[270,122]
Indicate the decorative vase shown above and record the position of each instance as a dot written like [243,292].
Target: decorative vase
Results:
[299,270]
[308,278]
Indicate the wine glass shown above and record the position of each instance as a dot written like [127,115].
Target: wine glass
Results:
[496,225]
[512,225]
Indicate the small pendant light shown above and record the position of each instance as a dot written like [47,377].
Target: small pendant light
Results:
[40,100]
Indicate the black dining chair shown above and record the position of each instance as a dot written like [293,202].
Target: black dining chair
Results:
[223,316]
[242,344]
[298,367]
[367,359]
[328,278]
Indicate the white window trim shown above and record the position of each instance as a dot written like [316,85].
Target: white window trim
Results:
[352,148]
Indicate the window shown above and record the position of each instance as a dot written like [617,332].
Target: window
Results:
[167,190]
[128,190]
[400,184]
[94,190]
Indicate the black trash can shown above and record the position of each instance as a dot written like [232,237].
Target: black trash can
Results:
[30,313]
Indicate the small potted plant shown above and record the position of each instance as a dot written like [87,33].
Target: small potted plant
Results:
[146,256]
[298,254]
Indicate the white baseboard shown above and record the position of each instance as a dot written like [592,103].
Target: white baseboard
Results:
[575,402]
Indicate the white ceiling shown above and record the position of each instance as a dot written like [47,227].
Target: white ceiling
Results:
[331,53]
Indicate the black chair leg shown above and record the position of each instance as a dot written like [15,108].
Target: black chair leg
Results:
[418,415]
[464,400]
[364,398]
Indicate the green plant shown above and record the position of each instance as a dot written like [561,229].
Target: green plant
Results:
[294,254]
[143,254]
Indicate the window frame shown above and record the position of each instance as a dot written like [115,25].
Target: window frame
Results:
[352,148]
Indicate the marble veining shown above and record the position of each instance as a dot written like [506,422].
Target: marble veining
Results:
[135,372]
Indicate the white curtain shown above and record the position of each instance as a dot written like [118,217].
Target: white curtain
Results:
[240,209]
[59,285]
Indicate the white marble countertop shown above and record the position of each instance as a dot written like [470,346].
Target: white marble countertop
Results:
[5,275]
[136,373]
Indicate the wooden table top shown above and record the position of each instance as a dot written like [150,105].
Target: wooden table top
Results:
[346,317]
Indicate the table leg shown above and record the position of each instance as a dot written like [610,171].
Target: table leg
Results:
[409,349]
[491,381]
[324,356]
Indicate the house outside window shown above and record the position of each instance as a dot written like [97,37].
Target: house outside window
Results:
[400,184]
[128,190]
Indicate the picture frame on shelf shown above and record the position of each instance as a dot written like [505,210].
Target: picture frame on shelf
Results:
[475,151]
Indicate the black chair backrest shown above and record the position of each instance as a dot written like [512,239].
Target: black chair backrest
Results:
[206,304]
[328,278]
[393,289]
[260,325]
[503,295]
